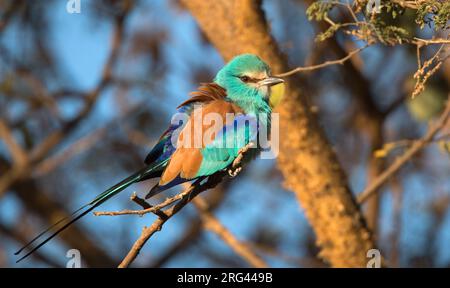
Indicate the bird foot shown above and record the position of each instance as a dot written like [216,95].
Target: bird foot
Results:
[233,172]
[236,167]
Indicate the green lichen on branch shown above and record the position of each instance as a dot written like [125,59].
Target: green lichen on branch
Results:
[328,33]
[319,10]
[433,12]
[390,23]
[390,34]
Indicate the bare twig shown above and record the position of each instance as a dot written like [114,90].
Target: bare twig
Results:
[151,209]
[388,147]
[406,156]
[421,41]
[141,202]
[146,205]
[324,64]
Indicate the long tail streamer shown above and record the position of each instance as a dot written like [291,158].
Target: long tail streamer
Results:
[62,224]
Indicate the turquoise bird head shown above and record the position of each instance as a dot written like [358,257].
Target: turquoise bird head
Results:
[247,80]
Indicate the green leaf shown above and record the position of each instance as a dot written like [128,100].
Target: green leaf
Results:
[318,10]
[328,33]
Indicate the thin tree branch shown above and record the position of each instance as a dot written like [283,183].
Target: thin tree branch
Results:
[420,41]
[407,155]
[145,205]
[324,64]
[152,209]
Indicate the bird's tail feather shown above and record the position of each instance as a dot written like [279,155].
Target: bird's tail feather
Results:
[80,212]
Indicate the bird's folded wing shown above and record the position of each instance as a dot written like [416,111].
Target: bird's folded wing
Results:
[205,151]
[206,93]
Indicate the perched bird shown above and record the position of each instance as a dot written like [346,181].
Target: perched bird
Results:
[241,90]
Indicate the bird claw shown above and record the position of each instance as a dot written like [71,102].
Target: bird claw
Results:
[236,167]
[234,172]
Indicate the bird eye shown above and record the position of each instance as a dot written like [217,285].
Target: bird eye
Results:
[244,79]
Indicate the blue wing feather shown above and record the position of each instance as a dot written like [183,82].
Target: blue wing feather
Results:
[228,142]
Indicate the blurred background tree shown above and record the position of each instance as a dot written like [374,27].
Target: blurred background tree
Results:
[84,96]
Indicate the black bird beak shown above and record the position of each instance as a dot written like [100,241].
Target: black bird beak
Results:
[270,81]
